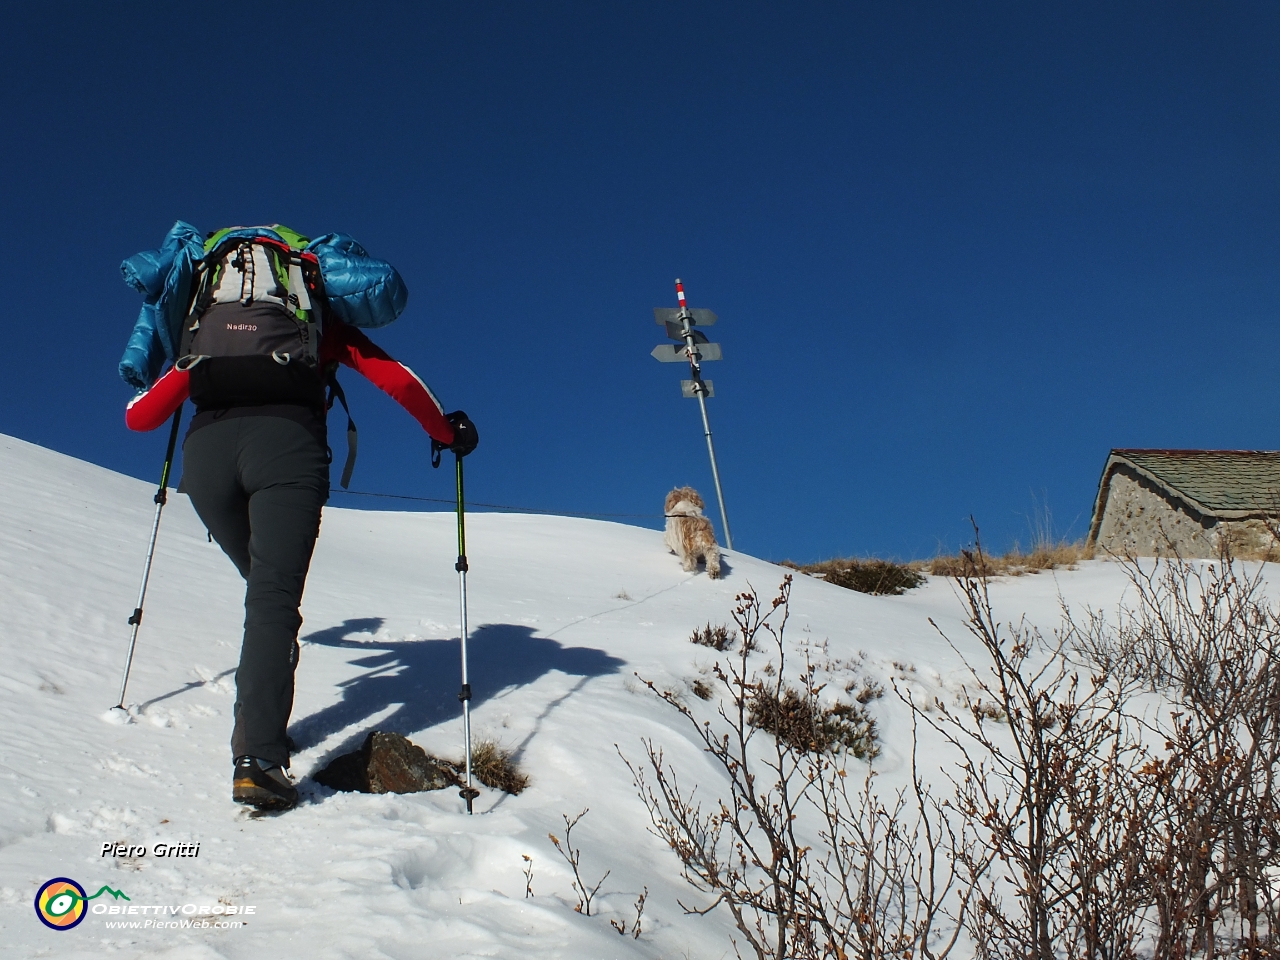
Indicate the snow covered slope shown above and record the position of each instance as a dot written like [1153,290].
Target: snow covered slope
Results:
[565,613]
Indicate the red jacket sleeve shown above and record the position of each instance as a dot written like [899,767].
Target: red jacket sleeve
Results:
[149,410]
[350,347]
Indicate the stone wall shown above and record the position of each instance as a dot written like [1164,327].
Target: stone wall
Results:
[1140,520]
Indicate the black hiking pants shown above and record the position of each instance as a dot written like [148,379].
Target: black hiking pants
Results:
[258,483]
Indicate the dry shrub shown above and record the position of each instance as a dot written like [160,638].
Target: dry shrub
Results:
[493,767]
[1046,791]
[811,862]
[1207,637]
[573,856]
[877,577]
[808,727]
[716,637]
[867,689]
[882,578]
[1094,826]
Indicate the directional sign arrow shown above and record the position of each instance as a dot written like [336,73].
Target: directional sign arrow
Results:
[687,390]
[698,316]
[672,353]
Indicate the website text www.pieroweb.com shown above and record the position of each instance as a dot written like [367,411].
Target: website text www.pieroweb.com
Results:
[220,916]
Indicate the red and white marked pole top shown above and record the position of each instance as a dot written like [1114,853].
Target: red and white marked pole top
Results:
[680,294]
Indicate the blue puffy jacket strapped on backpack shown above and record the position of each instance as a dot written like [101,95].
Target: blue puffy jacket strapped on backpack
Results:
[361,290]
[163,277]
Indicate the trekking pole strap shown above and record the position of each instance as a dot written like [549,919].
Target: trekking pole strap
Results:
[335,393]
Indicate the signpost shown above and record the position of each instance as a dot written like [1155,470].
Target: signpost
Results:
[682,324]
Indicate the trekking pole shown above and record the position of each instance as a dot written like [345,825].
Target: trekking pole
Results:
[468,792]
[161,497]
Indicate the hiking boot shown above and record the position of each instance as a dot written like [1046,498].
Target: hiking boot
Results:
[262,784]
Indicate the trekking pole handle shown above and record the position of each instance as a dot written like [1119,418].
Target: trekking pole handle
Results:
[461,565]
[162,494]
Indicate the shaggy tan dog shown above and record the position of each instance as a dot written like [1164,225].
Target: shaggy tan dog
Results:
[690,535]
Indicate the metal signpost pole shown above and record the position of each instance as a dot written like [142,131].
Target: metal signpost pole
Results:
[682,324]
[700,390]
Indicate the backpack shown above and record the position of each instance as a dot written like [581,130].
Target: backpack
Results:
[360,290]
[271,282]
[273,289]
[259,297]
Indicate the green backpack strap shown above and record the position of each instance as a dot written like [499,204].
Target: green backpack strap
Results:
[299,296]
[290,236]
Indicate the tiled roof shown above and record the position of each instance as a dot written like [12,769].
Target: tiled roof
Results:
[1223,482]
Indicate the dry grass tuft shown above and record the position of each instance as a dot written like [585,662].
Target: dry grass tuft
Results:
[1269,555]
[887,578]
[493,767]
[716,637]
[1015,563]
[878,577]
[810,728]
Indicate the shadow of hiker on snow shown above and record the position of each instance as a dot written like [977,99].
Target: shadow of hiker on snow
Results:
[421,678]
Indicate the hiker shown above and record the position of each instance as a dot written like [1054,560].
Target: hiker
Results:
[257,348]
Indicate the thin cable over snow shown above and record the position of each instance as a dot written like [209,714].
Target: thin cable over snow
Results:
[502,506]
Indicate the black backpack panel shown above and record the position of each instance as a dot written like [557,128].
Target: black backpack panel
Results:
[242,330]
[247,355]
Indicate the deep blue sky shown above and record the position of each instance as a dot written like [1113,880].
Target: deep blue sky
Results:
[958,251]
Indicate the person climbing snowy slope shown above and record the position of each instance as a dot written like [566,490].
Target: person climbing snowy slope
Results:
[257,347]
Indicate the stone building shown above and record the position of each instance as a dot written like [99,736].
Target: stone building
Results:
[1162,502]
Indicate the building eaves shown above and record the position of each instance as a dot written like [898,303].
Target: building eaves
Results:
[1223,484]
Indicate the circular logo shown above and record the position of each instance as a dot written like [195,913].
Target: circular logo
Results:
[60,903]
